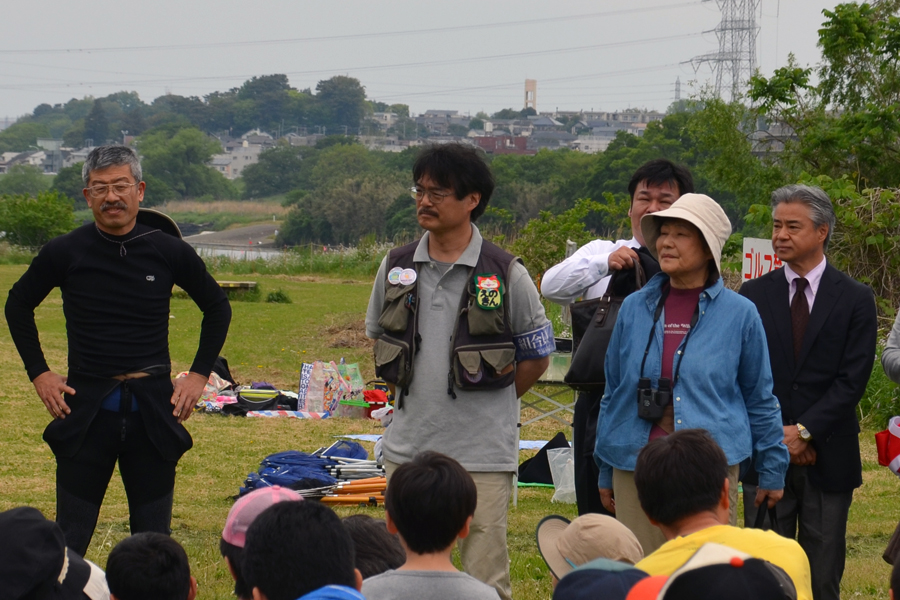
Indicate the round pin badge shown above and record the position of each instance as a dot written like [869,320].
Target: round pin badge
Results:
[394,275]
[408,276]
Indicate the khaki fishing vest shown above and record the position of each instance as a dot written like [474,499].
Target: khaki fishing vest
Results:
[482,355]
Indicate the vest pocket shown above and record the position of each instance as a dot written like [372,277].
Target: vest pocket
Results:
[394,313]
[392,361]
[484,322]
[481,366]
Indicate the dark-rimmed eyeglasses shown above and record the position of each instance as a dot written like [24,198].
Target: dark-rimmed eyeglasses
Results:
[102,190]
[436,197]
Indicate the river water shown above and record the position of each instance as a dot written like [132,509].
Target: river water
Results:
[237,253]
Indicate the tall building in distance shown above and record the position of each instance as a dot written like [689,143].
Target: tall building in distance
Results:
[531,94]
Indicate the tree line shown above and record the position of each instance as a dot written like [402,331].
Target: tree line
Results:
[267,102]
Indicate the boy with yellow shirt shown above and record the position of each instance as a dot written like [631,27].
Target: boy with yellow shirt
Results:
[682,484]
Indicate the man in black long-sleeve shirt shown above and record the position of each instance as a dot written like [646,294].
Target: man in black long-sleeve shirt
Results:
[118,401]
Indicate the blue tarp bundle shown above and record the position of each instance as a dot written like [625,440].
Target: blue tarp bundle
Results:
[301,471]
[291,469]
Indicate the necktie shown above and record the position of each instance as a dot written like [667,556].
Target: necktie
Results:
[799,314]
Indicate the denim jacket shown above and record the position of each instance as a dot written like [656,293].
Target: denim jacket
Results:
[724,386]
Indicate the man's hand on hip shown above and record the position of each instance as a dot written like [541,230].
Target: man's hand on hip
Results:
[50,387]
[623,258]
[188,390]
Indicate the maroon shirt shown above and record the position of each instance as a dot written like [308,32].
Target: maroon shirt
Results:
[680,307]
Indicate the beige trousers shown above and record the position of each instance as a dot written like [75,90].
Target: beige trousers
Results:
[484,553]
[630,514]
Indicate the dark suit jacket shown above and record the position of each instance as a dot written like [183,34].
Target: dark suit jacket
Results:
[821,390]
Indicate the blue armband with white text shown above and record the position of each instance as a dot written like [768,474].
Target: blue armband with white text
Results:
[535,344]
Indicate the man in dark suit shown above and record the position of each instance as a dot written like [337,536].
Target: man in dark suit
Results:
[821,329]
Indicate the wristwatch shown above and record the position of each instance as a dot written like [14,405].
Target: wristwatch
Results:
[805,435]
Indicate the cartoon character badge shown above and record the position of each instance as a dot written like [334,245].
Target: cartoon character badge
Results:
[488,291]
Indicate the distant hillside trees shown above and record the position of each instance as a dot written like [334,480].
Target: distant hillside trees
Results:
[175,160]
[267,102]
[96,125]
[24,179]
[278,171]
[68,183]
[20,137]
[342,101]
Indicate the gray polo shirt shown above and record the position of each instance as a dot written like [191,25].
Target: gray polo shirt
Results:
[415,585]
[478,429]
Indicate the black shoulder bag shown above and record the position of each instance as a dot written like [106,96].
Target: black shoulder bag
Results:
[592,326]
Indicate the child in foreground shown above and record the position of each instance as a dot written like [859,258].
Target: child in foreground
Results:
[429,503]
[149,566]
[234,535]
[376,550]
[299,551]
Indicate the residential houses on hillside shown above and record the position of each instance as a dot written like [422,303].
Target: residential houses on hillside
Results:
[239,153]
[438,122]
[50,158]
[581,131]
[588,132]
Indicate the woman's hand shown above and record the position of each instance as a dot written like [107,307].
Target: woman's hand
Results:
[770,497]
[608,499]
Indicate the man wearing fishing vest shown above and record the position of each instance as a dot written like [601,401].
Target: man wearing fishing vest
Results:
[461,334]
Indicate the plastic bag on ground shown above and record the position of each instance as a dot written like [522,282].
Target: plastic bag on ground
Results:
[562,469]
[324,384]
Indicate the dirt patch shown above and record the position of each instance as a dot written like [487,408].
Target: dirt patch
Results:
[351,334]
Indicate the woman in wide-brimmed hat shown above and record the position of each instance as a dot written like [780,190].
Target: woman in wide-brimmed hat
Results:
[687,353]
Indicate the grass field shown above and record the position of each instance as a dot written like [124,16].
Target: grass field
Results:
[268,342]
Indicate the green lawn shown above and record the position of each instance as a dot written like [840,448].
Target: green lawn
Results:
[269,342]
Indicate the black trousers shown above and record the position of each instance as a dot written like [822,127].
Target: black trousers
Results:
[584,423]
[819,521]
[82,479]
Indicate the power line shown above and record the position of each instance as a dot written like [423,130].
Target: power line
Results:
[439,88]
[67,68]
[518,84]
[357,36]
[446,62]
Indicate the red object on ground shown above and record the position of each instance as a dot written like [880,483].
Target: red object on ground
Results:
[376,399]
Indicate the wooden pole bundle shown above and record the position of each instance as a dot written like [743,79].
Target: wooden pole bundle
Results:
[368,491]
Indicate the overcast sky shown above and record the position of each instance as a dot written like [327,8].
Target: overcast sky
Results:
[460,54]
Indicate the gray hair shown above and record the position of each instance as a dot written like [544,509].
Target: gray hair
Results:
[821,210]
[103,157]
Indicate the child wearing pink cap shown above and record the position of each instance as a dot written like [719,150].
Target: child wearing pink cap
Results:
[234,536]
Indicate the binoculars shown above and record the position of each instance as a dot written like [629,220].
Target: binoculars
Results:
[652,402]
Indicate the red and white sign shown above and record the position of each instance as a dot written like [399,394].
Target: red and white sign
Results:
[759,258]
